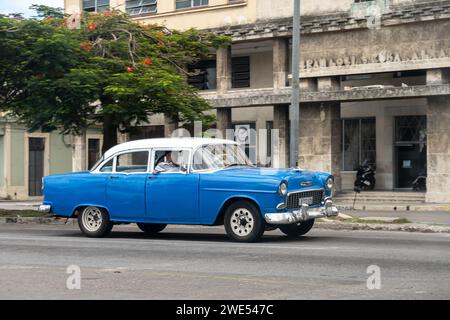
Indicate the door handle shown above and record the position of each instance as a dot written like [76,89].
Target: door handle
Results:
[113,177]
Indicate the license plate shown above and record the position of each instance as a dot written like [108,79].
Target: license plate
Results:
[306,200]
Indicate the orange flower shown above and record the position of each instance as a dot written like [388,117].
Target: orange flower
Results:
[146,28]
[91,25]
[130,69]
[159,34]
[86,46]
[48,18]
[147,61]
[107,13]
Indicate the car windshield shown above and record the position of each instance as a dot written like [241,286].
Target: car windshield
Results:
[220,156]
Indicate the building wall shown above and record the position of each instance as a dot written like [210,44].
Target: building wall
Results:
[2,161]
[384,113]
[222,13]
[60,153]
[17,157]
[261,70]
[14,158]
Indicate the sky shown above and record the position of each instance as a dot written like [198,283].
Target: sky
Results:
[21,6]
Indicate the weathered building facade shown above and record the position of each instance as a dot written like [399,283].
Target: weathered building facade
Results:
[375,81]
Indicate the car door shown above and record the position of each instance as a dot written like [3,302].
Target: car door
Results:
[172,196]
[125,187]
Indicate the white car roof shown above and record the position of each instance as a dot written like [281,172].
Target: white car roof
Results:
[165,143]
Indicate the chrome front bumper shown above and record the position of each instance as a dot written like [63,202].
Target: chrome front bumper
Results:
[44,208]
[328,209]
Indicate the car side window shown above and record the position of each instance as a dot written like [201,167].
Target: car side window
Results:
[171,161]
[107,167]
[132,162]
[200,160]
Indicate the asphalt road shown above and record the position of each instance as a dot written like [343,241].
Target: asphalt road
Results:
[201,263]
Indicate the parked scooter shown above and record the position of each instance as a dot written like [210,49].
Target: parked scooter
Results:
[420,183]
[365,177]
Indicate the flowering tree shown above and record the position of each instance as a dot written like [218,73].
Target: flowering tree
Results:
[111,70]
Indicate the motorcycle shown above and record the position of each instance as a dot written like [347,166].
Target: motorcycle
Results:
[365,177]
[420,183]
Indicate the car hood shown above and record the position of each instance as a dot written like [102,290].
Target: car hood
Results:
[294,177]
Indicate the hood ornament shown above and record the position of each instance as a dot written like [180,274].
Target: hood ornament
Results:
[306,183]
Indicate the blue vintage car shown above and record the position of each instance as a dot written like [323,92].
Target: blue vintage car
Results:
[193,181]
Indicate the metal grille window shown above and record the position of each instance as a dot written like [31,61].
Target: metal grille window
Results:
[410,129]
[183,4]
[136,7]
[240,72]
[96,5]
[359,142]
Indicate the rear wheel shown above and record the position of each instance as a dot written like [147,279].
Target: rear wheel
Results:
[297,229]
[151,228]
[243,222]
[94,222]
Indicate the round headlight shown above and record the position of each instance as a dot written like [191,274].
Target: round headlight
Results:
[329,184]
[282,189]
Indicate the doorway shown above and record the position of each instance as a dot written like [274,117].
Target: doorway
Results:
[410,150]
[36,148]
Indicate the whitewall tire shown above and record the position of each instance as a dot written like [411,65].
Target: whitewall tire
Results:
[94,222]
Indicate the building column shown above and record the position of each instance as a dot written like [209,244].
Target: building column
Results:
[223,57]
[280,142]
[224,122]
[79,152]
[169,126]
[280,62]
[320,139]
[122,137]
[438,141]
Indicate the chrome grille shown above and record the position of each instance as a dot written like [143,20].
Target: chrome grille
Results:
[311,197]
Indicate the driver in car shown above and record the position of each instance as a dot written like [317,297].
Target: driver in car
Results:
[170,164]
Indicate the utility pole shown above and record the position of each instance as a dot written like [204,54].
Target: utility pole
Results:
[294,111]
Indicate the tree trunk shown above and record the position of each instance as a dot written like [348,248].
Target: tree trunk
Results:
[109,133]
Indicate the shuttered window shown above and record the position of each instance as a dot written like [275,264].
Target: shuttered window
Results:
[240,72]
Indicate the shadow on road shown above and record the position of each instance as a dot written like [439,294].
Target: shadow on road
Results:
[192,236]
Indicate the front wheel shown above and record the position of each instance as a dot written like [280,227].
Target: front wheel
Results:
[297,229]
[94,222]
[243,222]
[151,228]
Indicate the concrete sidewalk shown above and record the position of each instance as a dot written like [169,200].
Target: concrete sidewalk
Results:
[426,217]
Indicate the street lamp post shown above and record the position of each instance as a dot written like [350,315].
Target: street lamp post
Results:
[294,111]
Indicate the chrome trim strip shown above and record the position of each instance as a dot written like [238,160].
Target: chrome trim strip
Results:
[45,208]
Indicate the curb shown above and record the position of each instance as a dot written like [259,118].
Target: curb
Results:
[37,220]
[410,227]
[392,207]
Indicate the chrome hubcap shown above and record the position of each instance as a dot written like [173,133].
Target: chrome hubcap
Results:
[242,222]
[92,218]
